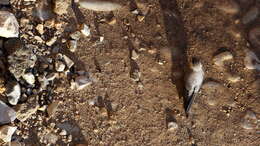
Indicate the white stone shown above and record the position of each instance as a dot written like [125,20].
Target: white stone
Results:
[99,5]
[14,94]
[29,78]
[60,66]
[6,133]
[68,61]
[81,82]
[85,30]
[172,126]
[251,61]
[9,26]
[8,115]
[220,58]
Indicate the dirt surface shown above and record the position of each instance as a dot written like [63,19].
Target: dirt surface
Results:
[171,33]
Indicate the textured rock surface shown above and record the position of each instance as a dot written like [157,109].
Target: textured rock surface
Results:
[6,133]
[9,26]
[21,60]
[8,115]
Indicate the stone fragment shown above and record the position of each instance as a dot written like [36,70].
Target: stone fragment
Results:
[26,110]
[72,44]
[51,41]
[13,92]
[99,5]
[251,60]
[8,115]
[249,120]
[172,126]
[134,55]
[81,81]
[21,60]
[221,58]
[85,30]
[233,78]
[9,26]
[61,6]
[59,66]
[52,108]
[68,61]
[40,29]
[6,132]
[29,78]
[75,35]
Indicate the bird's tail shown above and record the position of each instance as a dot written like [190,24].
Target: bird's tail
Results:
[188,102]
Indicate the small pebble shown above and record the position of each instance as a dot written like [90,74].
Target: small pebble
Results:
[221,58]
[85,30]
[99,5]
[251,60]
[59,66]
[135,55]
[6,133]
[52,108]
[172,126]
[72,45]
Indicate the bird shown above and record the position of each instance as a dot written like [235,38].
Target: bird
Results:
[193,80]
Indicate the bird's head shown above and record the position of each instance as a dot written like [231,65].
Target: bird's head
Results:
[196,64]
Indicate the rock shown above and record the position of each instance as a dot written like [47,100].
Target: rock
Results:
[52,108]
[99,5]
[85,30]
[233,78]
[8,115]
[40,28]
[251,15]
[13,92]
[50,138]
[9,26]
[61,6]
[68,61]
[26,110]
[140,18]
[111,21]
[172,126]
[249,120]
[75,35]
[59,66]
[29,78]
[134,55]
[221,58]
[12,45]
[72,45]
[251,60]
[228,6]
[43,10]
[63,132]
[21,60]
[51,41]
[82,81]
[6,133]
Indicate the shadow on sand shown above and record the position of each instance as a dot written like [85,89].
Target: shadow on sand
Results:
[177,42]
